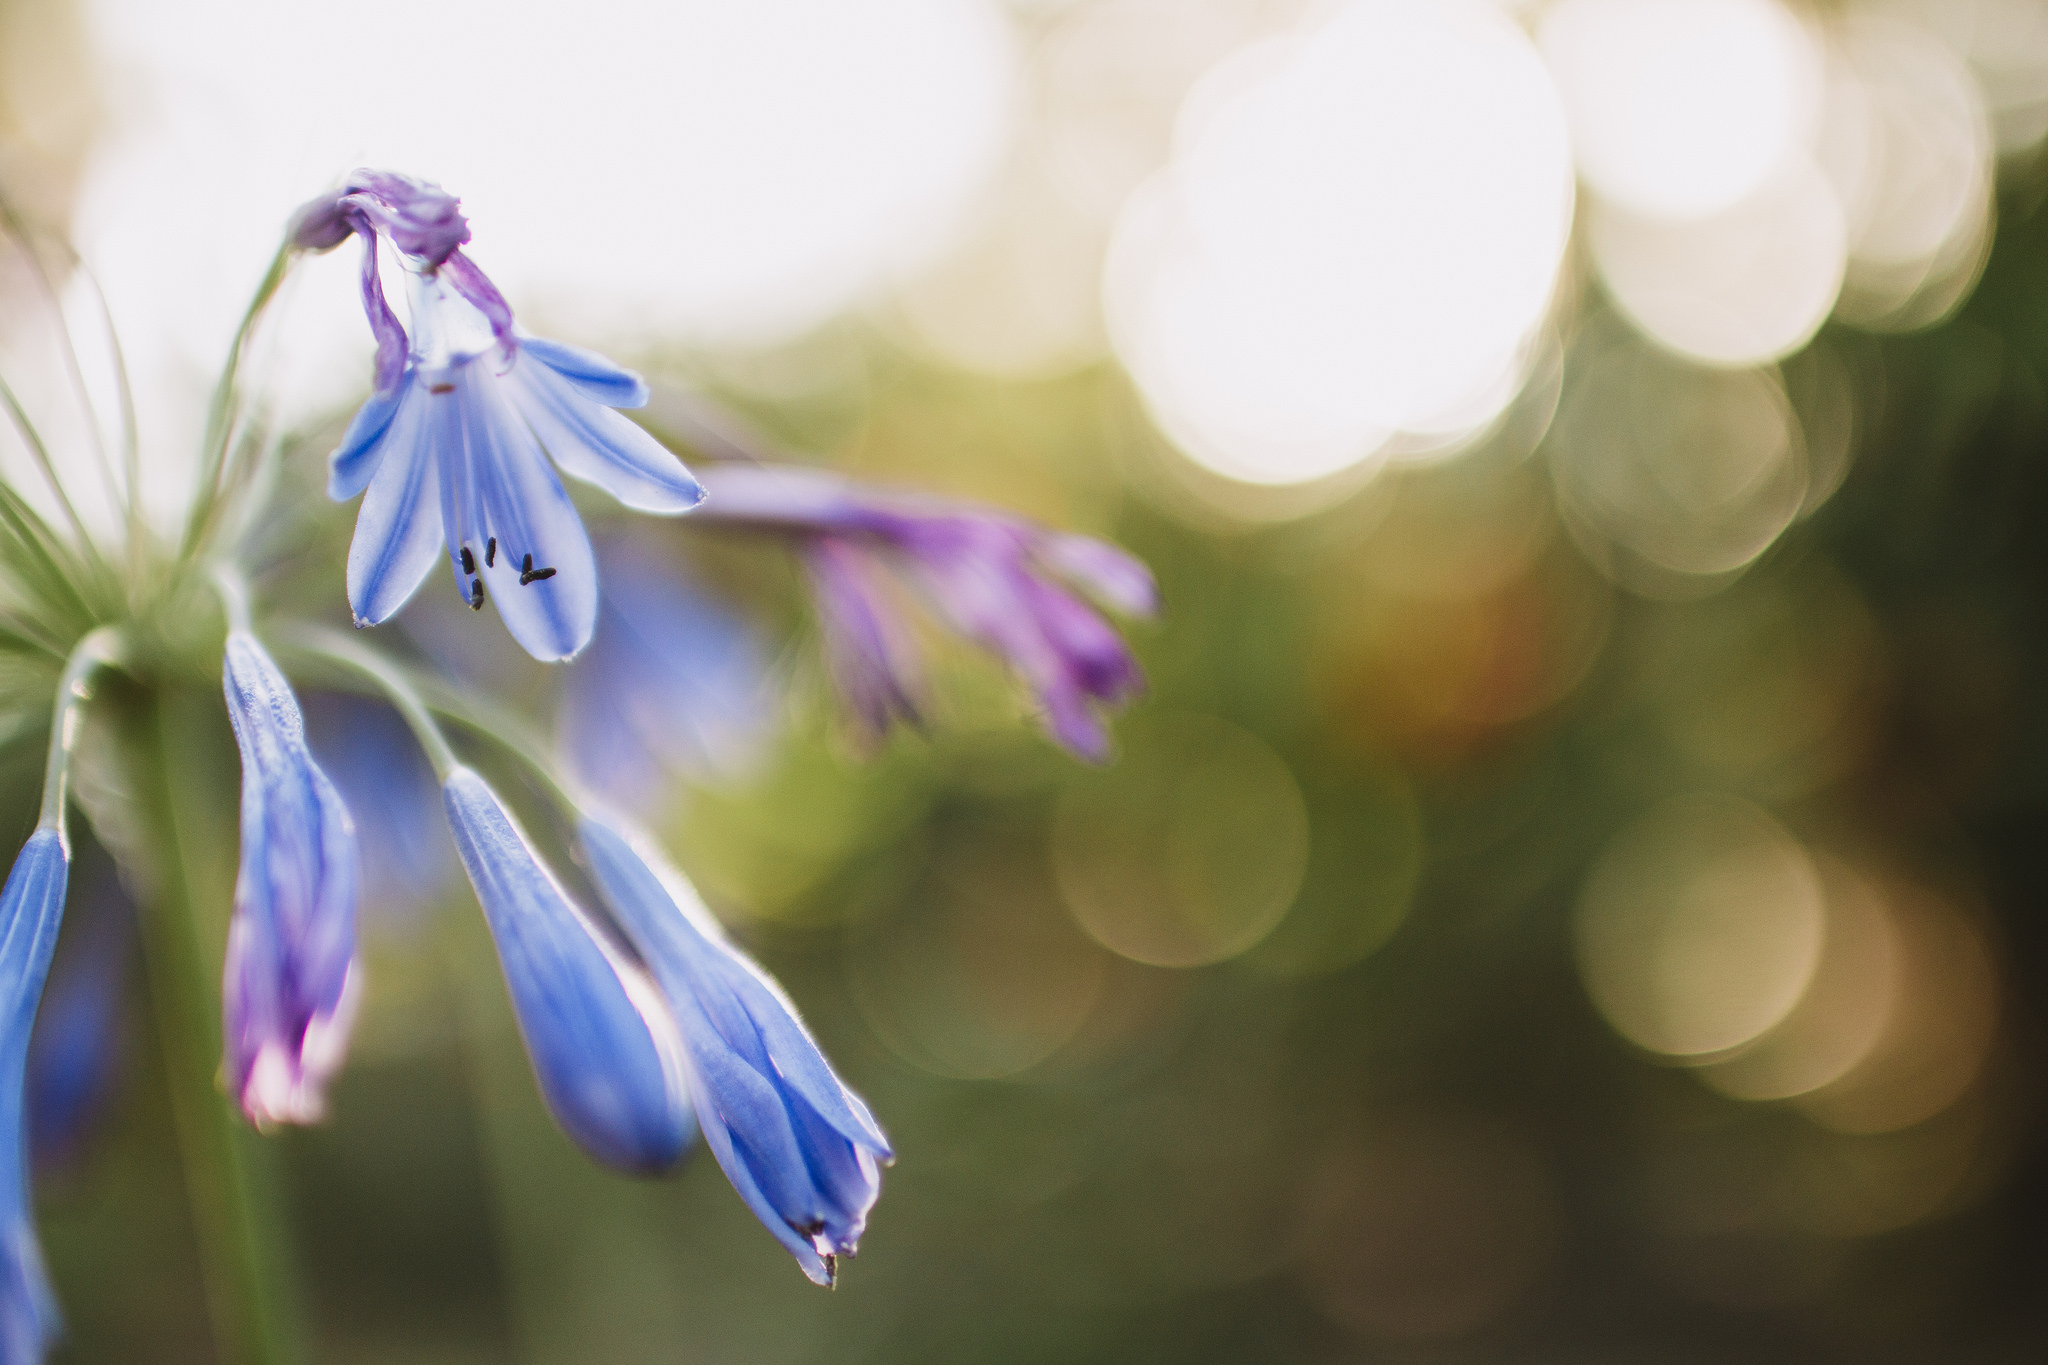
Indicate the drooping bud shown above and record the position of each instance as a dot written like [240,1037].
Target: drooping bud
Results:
[595,1032]
[290,986]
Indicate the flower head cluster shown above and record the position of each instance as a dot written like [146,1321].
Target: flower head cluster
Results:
[645,1026]
[456,451]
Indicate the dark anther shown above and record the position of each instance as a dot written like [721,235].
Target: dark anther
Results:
[491,552]
[535,576]
[476,594]
[468,561]
[526,564]
[440,388]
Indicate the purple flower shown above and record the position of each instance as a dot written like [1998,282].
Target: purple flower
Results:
[673,683]
[455,445]
[1000,581]
[291,984]
[31,908]
[593,1031]
[800,1148]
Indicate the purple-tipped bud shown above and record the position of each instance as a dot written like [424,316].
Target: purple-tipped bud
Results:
[321,224]
[31,908]
[1001,582]
[291,983]
[600,1042]
[800,1148]
[416,216]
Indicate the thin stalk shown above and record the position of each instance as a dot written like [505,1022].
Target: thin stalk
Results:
[41,453]
[73,364]
[221,411]
[74,689]
[336,648]
[244,1259]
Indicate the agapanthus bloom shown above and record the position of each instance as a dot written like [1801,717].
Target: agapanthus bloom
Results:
[454,447]
[291,985]
[802,1150]
[594,1035]
[998,580]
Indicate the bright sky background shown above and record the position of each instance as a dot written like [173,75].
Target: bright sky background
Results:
[1318,235]
[732,174]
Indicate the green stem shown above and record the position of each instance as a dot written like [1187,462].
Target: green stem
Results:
[221,412]
[244,1260]
[332,647]
[102,647]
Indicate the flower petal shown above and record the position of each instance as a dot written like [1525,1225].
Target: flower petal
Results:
[592,1045]
[513,497]
[397,525]
[595,444]
[1121,580]
[355,460]
[592,375]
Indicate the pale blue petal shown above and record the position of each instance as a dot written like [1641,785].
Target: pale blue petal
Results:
[592,443]
[589,372]
[397,530]
[593,1052]
[518,501]
[362,446]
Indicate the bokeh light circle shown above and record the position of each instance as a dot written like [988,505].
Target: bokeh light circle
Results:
[1360,230]
[1700,927]
[1680,108]
[1748,284]
[1666,471]
[1843,1010]
[1188,849]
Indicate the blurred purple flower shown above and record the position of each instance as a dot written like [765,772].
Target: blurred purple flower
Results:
[75,1052]
[31,908]
[674,683]
[800,1148]
[390,791]
[593,1033]
[291,983]
[998,580]
[454,446]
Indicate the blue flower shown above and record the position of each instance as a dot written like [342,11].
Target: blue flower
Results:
[997,580]
[455,445]
[290,987]
[31,908]
[594,1028]
[802,1150]
[673,683]
[75,1052]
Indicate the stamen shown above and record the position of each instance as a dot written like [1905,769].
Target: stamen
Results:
[491,552]
[468,561]
[535,575]
[476,594]
[440,388]
[526,564]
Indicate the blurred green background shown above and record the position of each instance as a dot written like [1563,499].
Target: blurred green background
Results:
[1481,948]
